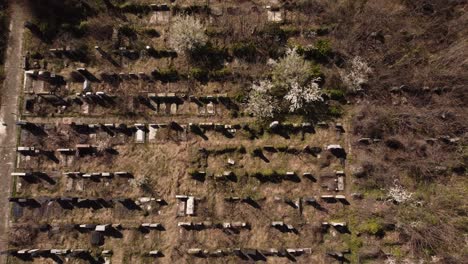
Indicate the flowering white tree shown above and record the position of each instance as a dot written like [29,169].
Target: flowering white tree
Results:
[260,103]
[298,95]
[291,68]
[292,74]
[357,75]
[398,194]
[187,33]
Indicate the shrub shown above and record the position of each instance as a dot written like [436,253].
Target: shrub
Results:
[199,74]
[166,75]
[323,48]
[336,94]
[372,227]
[134,8]
[246,51]
[221,74]
[335,111]
[208,56]
[151,32]
[127,31]
[291,31]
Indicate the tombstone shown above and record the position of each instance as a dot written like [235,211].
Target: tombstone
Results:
[106,252]
[161,14]
[239,225]
[155,253]
[309,176]
[186,205]
[72,174]
[59,251]
[365,141]
[274,125]
[22,251]
[109,126]
[87,226]
[339,127]
[232,199]
[102,228]
[66,151]
[335,254]
[24,124]
[102,95]
[28,151]
[86,74]
[186,225]
[21,174]
[206,126]
[310,200]
[133,76]
[322,124]
[143,76]
[290,174]
[151,225]
[342,227]
[218,253]
[340,183]
[122,174]
[337,150]
[307,127]
[140,134]
[277,224]
[190,210]
[195,251]
[327,197]
[83,149]
[210,108]
[340,197]
[274,14]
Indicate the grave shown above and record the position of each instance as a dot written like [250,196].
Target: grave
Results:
[274,14]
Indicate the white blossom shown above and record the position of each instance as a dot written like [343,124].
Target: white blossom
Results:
[260,103]
[398,194]
[291,68]
[298,95]
[357,75]
[186,33]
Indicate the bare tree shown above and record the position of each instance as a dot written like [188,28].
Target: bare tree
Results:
[187,33]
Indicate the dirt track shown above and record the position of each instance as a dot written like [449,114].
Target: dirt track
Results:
[9,112]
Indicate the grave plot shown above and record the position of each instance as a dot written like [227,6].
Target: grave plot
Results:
[251,194]
[101,98]
[132,151]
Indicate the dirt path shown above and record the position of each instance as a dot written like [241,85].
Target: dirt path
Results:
[9,112]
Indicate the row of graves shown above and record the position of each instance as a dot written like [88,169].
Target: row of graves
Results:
[273,12]
[48,189]
[68,144]
[48,94]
